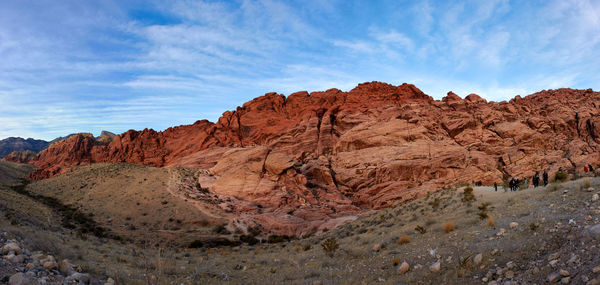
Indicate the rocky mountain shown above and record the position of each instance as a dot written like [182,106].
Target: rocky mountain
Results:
[11,144]
[283,163]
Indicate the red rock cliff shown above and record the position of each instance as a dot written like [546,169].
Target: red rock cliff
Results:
[323,155]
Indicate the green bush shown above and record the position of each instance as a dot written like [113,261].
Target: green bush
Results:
[561,176]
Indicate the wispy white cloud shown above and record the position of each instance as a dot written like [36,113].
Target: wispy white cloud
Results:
[84,66]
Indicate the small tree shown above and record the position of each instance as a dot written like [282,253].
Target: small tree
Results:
[468,194]
[330,245]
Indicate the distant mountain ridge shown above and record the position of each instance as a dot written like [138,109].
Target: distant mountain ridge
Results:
[12,144]
[28,146]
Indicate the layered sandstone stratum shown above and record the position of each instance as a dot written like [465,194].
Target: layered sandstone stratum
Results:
[297,164]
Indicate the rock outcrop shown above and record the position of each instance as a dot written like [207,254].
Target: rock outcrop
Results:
[323,155]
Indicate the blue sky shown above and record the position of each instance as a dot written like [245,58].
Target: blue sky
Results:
[86,66]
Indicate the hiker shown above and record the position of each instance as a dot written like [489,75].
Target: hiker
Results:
[525,183]
[511,184]
[495,186]
[591,168]
[536,179]
[545,177]
[585,169]
[517,184]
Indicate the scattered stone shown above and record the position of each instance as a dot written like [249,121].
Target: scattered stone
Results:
[495,251]
[478,258]
[593,232]
[11,246]
[565,280]
[509,274]
[553,277]
[49,265]
[22,279]
[435,267]
[596,269]
[404,267]
[553,263]
[564,273]
[377,247]
[553,256]
[111,281]
[595,197]
[65,267]
[513,225]
[501,232]
[81,277]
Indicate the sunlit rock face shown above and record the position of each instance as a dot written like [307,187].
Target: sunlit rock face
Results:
[296,164]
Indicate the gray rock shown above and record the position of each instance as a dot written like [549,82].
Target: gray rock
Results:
[553,277]
[22,279]
[81,277]
[592,232]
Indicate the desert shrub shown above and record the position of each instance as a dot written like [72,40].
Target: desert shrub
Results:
[306,246]
[278,238]
[561,176]
[491,222]
[468,195]
[330,245]
[420,229]
[586,184]
[533,226]
[403,239]
[220,229]
[249,239]
[196,244]
[483,210]
[554,187]
[435,203]
[396,261]
[448,227]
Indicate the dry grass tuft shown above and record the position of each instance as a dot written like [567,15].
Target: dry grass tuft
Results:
[586,184]
[448,227]
[491,222]
[396,261]
[403,240]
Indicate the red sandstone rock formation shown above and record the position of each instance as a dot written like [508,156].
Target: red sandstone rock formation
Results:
[288,164]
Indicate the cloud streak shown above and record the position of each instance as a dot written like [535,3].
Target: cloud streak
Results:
[74,66]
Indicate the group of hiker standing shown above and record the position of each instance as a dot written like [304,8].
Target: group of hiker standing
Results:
[515,183]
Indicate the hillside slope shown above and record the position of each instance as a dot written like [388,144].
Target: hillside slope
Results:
[534,236]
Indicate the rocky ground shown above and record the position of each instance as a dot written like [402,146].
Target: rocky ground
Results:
[19,266]
[533,236]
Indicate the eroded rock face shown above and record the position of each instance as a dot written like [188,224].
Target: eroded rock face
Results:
[294,163]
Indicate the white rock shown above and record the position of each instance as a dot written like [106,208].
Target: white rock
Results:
[564,273]
[435,267]
[513,225]
[478,258]
[595,197]
[404,267]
